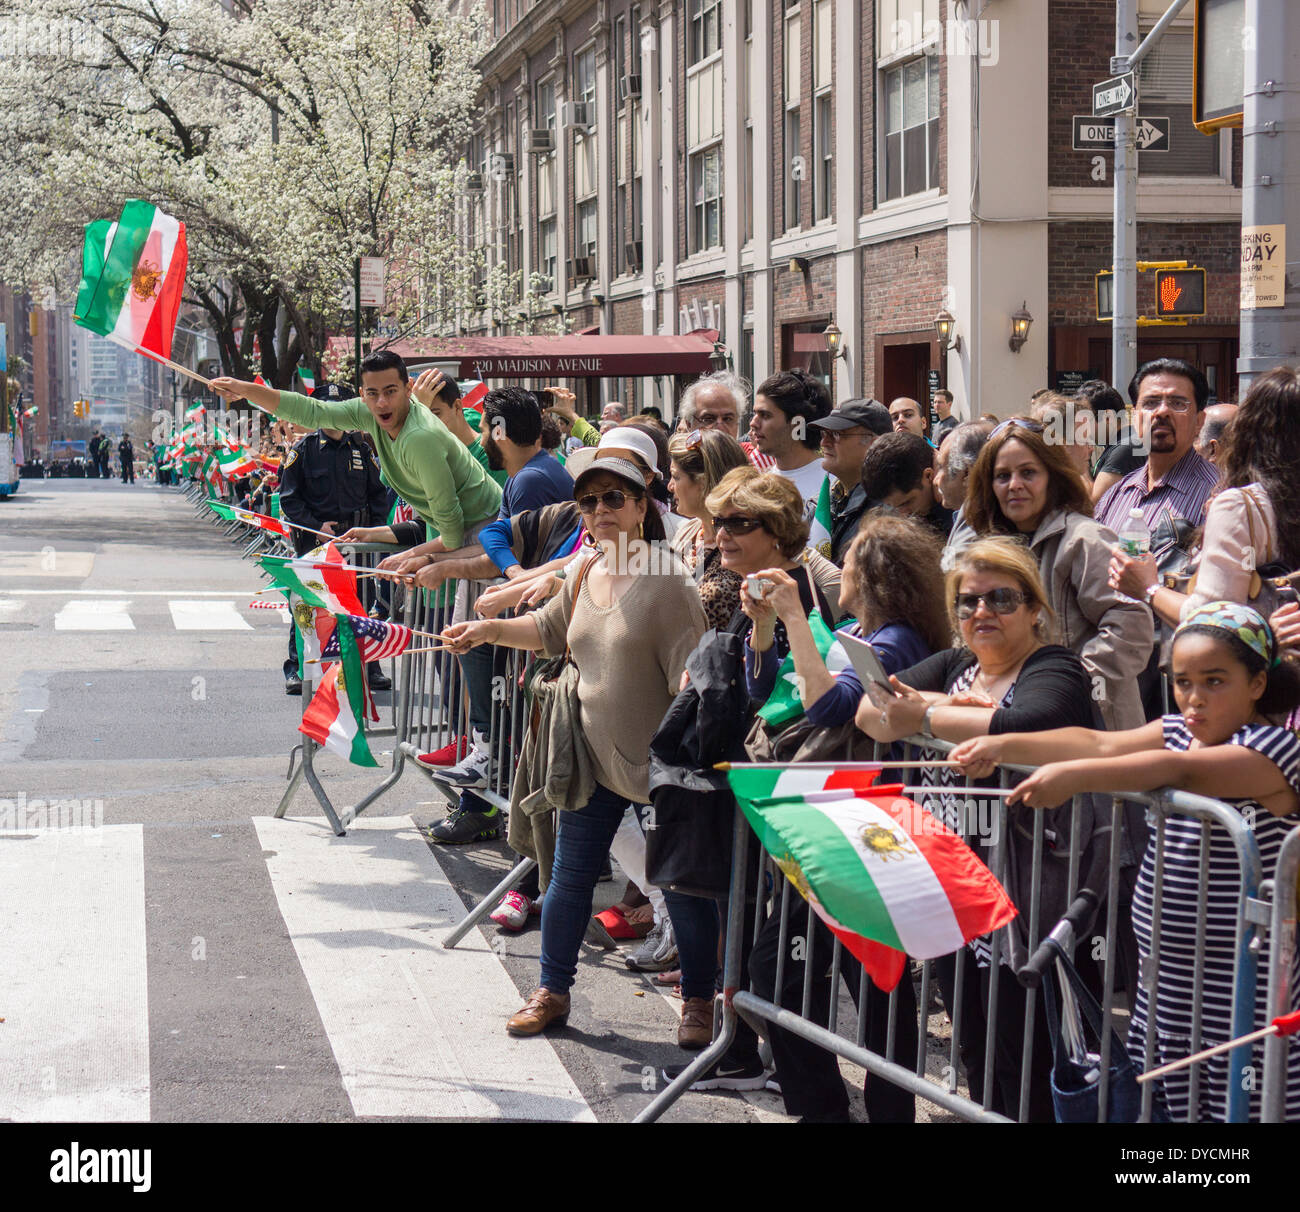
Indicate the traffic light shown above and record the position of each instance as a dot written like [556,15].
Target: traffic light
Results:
[1220,39]
[1106,295]
[1180,293]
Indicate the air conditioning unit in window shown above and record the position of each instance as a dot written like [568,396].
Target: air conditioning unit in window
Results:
[474,183]
[584,268]
[632,254]
[501,165]
[541,140]
[580,114]
[629,86]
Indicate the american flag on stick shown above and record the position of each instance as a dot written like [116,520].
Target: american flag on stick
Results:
[376,640]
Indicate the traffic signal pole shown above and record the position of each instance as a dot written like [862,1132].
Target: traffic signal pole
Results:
[1270,336]
[1123,336]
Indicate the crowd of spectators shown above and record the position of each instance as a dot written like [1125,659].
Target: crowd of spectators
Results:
[979,558]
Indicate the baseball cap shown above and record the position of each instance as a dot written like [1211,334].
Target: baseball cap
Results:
[623,468]
[871,415]
[621,437]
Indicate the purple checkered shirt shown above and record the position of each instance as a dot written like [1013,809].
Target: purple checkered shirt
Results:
[1184,490]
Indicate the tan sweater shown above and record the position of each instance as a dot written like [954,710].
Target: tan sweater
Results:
[630,658]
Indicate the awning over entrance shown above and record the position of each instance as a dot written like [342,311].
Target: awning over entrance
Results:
[565,357]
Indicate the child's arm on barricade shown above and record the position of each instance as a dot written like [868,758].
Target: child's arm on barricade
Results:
[979,755]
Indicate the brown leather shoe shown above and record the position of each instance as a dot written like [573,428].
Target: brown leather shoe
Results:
[696,1030]
[539,1012]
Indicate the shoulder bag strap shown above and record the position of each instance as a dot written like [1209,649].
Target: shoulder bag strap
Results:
[577,589]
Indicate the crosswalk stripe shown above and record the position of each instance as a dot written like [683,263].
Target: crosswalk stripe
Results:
[94,615]
[9,607]
[75,1041]
[416,1030]
[207,616]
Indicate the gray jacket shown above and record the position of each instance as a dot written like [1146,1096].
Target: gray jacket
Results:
[1111,633]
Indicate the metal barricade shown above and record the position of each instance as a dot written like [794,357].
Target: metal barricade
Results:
[941,1075]
[1281,975]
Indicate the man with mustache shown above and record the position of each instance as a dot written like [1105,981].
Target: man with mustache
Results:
[1169,398]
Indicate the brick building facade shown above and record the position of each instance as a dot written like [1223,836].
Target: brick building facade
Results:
[768,167]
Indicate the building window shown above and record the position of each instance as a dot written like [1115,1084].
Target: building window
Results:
[747,185]
[822,147]
[902,25]
[620,56]
[706,196]
[794,170]
[1165,89]
[584,75]
[546,251]
[585,229]
[911,160]
[706,29]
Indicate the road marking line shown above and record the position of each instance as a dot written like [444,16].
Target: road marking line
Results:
[9,607]
[51,563]
[416,1030]
[207,616]
[75,1041]
[94,615]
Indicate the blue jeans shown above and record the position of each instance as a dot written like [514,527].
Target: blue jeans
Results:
[696,927]
[582,841]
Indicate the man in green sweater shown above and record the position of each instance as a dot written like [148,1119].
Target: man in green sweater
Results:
[425,464]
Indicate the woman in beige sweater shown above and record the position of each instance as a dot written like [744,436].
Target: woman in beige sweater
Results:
[629,626]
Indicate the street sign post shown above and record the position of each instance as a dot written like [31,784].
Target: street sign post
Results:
[1115,95]
[1098,134]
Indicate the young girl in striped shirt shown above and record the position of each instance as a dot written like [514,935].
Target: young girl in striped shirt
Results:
[1227,676]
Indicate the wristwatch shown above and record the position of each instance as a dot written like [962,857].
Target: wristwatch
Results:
[926,730]
[1148,594]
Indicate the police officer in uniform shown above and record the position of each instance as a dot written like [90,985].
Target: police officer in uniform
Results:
[126,454]
[330,482]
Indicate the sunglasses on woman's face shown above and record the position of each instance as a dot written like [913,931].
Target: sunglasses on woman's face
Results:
[1000,601]
[737,525]
[613,499]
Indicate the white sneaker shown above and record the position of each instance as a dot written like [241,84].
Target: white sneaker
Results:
[474,769]
[512,912]
[658,950]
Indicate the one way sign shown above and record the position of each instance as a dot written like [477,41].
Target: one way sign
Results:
[1098,134]
[1111,96]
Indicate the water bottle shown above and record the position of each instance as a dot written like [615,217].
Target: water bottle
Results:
[1135,538]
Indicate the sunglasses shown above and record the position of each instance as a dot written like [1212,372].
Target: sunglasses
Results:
[1016,423]
[737,525]
[613,499]
[1000,601]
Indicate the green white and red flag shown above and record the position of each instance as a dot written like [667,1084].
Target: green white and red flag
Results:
[235,463]
[138,269]
[262,521]
[334,717]
[318,580]
[307,379]
[876,867]
[194,414]
[472,393]
[261,382]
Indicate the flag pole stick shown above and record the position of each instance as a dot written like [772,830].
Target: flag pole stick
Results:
[405,652]
[176,366]
[1288,1024]
[882,765]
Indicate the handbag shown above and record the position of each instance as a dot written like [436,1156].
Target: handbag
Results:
[1076,1069]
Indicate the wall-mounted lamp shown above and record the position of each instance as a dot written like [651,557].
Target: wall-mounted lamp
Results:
[720,358]
[556,309]
[944,326]
[834,341]
[798,265]
[598,300]
[1020,322]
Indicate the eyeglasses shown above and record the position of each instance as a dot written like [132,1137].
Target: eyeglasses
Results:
[838,435]
[1000,601]
[613,499]
[1173,403]
[708,420]
[1015,423]
[737,525]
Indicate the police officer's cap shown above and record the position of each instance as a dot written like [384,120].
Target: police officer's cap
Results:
[333,391]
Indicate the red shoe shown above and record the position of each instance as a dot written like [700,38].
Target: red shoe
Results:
[448,755]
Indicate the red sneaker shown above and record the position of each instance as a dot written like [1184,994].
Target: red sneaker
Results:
[448,755]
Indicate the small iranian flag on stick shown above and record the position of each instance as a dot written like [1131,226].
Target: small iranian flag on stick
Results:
[873,864]
[819,525]
[334,717]
[261,520]
[317,581]
[141,276]
[307,379]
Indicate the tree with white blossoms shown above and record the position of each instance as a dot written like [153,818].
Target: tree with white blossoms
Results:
[290,136]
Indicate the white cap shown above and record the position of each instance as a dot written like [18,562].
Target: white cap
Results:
[621,437]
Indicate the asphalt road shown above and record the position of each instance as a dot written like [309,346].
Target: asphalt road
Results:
[189,958]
